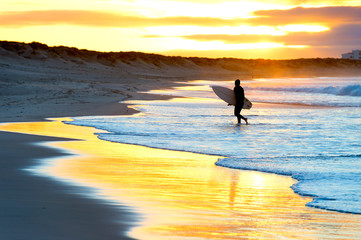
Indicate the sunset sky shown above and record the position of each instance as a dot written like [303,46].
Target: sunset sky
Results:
[274,29]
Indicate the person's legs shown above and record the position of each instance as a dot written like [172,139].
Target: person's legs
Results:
[245,119]
[237,113]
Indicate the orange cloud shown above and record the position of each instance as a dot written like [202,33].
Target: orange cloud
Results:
[344,32]
[345,36]
[103,19]
[300,15]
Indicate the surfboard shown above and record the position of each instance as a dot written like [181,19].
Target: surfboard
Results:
[228,96]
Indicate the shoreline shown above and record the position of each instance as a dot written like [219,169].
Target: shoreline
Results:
[274,202]
[38,207]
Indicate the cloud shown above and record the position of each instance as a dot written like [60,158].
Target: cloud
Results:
[103,19]
[344,33]
[345,36]
[300,15]
[279,2]
[324,15]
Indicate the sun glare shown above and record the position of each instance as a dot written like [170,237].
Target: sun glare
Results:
[303,28]
[225,9]
[191,30]
[212,45]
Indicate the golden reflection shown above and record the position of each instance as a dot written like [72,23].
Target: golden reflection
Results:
[177,89]
[258,180]
[195,88]
[184,195]
[179,100]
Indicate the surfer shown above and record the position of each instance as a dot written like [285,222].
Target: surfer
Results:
[239,93]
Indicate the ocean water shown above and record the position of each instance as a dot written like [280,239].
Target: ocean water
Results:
[310,131]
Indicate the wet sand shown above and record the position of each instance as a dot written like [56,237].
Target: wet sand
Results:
[183,195]
[37,207]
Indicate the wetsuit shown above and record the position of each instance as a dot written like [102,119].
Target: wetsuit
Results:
[239,93]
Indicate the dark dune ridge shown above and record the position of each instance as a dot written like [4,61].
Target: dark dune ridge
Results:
[162,64]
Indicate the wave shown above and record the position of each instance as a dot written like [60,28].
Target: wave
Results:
[334,190]
[349,90]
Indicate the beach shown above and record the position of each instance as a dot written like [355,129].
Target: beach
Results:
[63,181]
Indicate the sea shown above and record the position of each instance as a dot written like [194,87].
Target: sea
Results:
[305,128]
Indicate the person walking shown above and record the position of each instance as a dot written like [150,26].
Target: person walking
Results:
[239,93]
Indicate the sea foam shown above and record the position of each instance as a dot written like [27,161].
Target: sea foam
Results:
[349,90]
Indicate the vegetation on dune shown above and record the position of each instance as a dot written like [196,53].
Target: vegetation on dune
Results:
[258,67]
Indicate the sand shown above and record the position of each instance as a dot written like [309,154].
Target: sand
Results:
[35,207]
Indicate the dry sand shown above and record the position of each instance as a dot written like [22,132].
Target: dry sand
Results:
[32,89]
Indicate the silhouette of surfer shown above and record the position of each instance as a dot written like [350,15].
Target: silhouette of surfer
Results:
[239,93]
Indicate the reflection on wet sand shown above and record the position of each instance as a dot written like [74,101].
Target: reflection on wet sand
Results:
[184,195]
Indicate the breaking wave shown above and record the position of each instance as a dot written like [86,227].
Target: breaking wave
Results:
[349,90]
